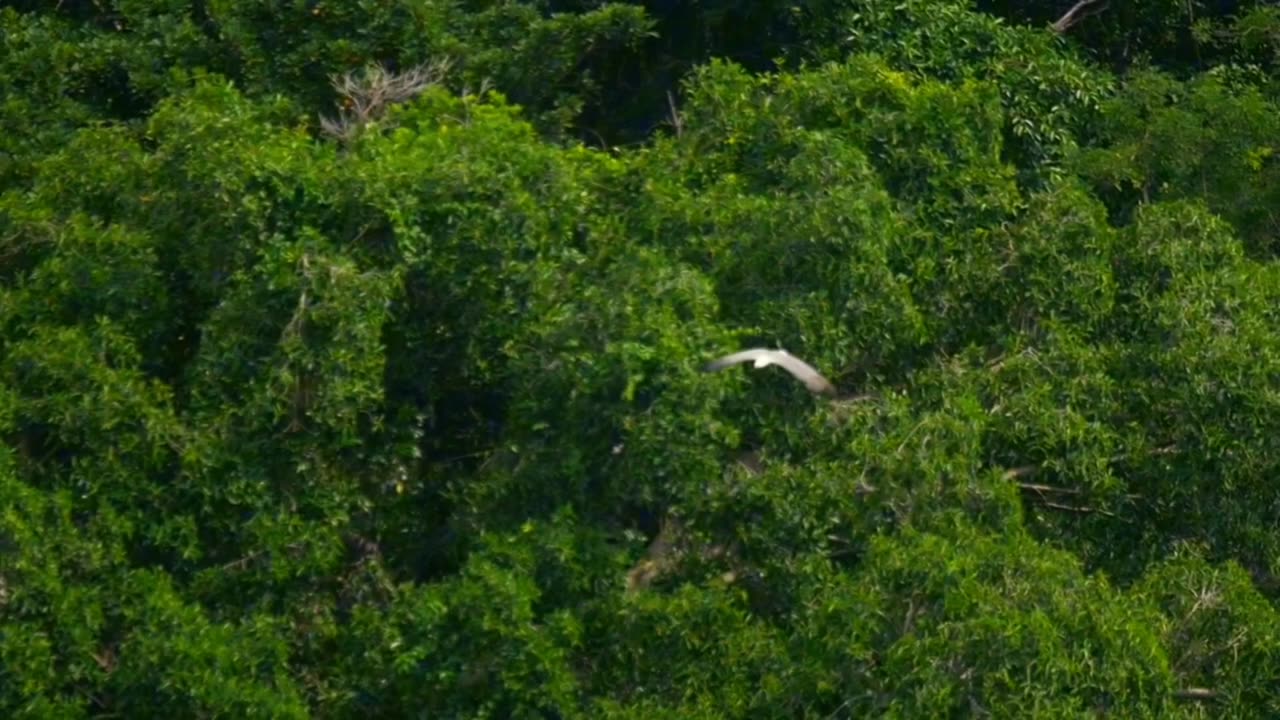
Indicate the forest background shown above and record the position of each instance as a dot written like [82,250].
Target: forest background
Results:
[350,349]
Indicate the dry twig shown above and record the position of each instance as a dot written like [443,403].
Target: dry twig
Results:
[368,96]
[1083,509]
[1078,12]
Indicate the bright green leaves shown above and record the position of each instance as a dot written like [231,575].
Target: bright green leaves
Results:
[529,326]
[926,623]
[1053,266]
[309,320]
[87,421]
[1220,631]
[495,640]
[207,667]
[605,379]
[653,650]
[965,621]
[89,273]
[795,226]
[936,147]
[287,391]
[86,418]
[53,597]
[1202,372]
[386,426]
[84,632]
[1161,139]
[54,81]
[1048,97]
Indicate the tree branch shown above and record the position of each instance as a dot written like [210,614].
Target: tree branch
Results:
[1078,12]
[1083,509]
[1038,488]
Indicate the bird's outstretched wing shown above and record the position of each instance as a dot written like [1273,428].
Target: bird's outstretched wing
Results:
[738,357]
[802,371]
[805,373]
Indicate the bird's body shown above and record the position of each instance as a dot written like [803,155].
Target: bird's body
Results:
[764,357]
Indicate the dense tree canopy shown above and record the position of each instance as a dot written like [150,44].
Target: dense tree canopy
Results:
[350,359]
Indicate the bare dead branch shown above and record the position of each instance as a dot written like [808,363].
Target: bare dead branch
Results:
[672,544]
[1196,694]
[1082,509]
[366,97]
[909,622]
[105,658]
[243,562]
[677,122]
[1078,12]
[751,461]
[1037,488]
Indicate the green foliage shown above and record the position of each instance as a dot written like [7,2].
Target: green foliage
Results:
[967,623]
[1161,139]
[409,420]
[1220,631]
[83,632]
[117,59]
[41,91]
[475,645]
[1050,97]
[1178,36]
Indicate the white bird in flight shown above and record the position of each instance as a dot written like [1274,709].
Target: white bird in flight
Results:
[763,357]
